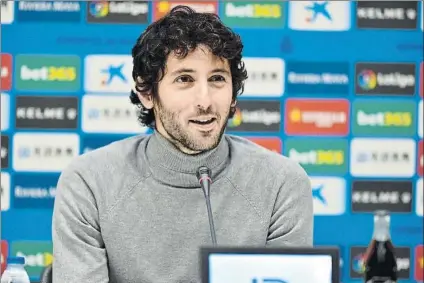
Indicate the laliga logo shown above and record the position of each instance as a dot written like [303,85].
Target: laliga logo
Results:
[358,263]
[99,9]
[268,280]
[367,79]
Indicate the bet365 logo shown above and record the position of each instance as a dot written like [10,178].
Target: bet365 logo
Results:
[48,73]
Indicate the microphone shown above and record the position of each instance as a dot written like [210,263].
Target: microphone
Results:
[203,175]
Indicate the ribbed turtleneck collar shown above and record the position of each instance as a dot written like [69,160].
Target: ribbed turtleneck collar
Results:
[172,167]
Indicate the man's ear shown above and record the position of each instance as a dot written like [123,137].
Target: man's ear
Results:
[234,103]
[145,98]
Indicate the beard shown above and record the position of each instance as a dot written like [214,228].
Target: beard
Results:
[183,136]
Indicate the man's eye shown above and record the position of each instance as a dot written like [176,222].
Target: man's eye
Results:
[217,79]
[184,79]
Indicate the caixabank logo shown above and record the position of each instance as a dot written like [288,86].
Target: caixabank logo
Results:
[385,78]
[256,116]
[403,260]
[47,73]
[419,263]
[120,12]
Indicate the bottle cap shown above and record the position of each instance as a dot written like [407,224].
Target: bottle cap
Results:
[15,260]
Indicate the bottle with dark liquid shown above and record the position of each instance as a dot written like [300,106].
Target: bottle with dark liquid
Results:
[380,259]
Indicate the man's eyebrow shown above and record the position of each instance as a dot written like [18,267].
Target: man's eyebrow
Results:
[220,70]
[187,70]
[182,70]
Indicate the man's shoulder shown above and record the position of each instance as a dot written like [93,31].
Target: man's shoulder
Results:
[115,154]
[250,154]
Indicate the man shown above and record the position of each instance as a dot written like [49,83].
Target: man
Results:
[133,211]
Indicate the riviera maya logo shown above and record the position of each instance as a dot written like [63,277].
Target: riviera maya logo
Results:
[99,9]
[367,79]
[236,120]
[358,264]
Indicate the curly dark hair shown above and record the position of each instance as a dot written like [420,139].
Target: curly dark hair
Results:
[181,31]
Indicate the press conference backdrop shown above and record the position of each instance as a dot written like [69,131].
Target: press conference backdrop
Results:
[336,86]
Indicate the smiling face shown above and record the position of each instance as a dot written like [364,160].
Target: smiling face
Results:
[194,100]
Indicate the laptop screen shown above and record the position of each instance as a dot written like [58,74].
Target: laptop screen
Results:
[278,267]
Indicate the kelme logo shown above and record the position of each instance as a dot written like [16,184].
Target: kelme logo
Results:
[47,73]
[263,14]
[384,117]
[318,156]
[37,255]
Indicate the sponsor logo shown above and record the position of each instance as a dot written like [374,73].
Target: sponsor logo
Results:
[318,156]
[32,191]
[384,117]
[265,77]
[37,255]
[108,73]
[48,11]
[5,191]
[317,78]
[260,14]
[319,15]
[109,114]
[420,159]
[4,152]
[385,78]
[44,152]
[387,14]
[394,196]
[419,197]
[419,263]
[316,117]
[4,253]
[329,195]
[92,143]
[403,260]
[5,106]
[7,12]
[5,70]
[256,116]
[118,12]
[271,143]
[161,8]
[420,119]
[48,72]
[382,157]
[46,112]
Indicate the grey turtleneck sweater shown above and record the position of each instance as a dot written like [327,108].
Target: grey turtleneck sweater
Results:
[133,211]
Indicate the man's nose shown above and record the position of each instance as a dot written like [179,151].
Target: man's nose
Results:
[203,97]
